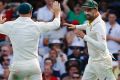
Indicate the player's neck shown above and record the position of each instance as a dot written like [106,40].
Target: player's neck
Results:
[97,14]
[26,15]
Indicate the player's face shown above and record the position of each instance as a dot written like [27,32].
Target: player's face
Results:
[90,13]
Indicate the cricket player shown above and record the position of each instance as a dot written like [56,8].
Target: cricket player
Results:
[24,35]
[100,61]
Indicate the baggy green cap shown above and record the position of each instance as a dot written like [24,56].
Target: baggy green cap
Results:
[24,8]
[90,4]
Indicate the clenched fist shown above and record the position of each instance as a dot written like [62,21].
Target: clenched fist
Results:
[79,33]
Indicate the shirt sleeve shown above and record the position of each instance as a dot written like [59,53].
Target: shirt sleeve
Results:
[82,26]
[5,28]
[47,26]
[100,41]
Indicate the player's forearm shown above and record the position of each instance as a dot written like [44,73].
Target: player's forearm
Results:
[82,27]
[47,26]
[57,14]
[55,24]
[96,44]
[56,21]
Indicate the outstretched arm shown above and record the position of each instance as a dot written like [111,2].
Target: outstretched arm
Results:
[81,27]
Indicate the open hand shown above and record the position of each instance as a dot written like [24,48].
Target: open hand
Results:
[71,26]
[56,8]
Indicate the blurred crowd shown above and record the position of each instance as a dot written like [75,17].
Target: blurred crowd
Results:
[62,54]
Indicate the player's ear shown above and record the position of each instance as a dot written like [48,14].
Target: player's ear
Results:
[30,13]
[95,10]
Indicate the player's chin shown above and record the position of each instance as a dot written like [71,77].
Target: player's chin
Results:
[88,17]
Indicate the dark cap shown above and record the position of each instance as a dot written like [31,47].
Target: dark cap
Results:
[25,8]
[90,4]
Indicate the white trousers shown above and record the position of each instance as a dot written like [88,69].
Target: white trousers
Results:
[101,70]
[25,70]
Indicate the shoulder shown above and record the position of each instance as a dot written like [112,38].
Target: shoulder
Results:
[8,23]
[100,24]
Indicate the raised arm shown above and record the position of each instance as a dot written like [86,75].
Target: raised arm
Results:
[65,6]
[46,26]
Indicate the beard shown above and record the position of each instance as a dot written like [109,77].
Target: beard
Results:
[90,16]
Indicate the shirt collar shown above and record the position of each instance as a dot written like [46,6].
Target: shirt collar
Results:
[96,20]
[24,19]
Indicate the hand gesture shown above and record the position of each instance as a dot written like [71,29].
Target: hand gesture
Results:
[56,8]
[71,26]
[79,33]
[2,20]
